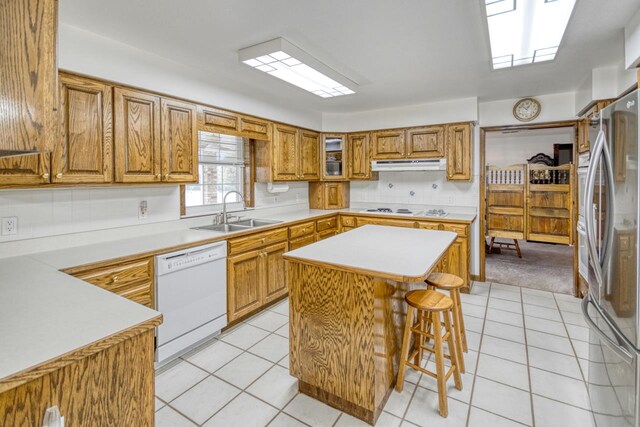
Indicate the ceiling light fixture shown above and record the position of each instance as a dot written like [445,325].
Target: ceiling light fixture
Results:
[526,31]
[288,62]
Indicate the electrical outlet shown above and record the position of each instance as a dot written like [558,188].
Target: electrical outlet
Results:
[143,210]
[9,225]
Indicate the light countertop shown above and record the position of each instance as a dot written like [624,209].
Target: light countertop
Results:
[396,253]
[45,314]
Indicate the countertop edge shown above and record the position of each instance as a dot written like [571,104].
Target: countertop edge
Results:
[34,372]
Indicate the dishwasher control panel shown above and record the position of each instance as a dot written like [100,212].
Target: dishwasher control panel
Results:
[187,258]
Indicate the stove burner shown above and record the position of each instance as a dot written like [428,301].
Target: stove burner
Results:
[386,210]
[436,212]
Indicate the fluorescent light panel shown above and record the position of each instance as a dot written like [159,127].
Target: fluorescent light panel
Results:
[526,31]
[287,62]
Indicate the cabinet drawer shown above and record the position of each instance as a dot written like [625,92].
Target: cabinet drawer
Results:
[302,241]
[325,224]
[119,276]
[301,230]
[326,233]
[384,221]
[257,240]
[142,294]
[220,120]
[462,230]
[255,128]
[429,225]
[348,221]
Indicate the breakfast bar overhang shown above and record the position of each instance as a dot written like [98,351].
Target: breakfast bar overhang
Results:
[347,311]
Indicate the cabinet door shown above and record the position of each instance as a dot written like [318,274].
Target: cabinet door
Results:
[244,287]
[334,195]
[285,167]
[28,92]
[215,120]
[137,136]
[179,141]
[275,284]
[425,142]
[459,150]
[456,260]
[583,135]
[309,155]
[85,153]
[388,144]
[359,163]
[251,127]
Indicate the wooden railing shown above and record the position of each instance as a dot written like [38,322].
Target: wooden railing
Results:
[510,175]
[543,174]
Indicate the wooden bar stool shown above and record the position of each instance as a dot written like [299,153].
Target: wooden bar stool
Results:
[432,306]
[452,283]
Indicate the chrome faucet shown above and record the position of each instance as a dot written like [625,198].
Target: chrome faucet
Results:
[224,205]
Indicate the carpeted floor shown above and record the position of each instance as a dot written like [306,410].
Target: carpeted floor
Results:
[543,266]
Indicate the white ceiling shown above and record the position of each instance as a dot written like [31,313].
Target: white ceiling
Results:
[402,52]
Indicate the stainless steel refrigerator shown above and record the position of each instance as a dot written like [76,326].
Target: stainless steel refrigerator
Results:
[611,307]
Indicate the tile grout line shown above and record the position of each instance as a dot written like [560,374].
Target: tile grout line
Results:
[475,373]
[526,350]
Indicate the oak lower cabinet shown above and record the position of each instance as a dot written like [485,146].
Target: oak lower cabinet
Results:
[137,136]
[84,153]
[132,278]
[459,148]
[255,273]
[179,149]
[302,234]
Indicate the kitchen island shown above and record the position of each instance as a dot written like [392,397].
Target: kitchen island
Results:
[347,311]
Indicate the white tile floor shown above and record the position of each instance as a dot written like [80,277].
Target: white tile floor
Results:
[526,366]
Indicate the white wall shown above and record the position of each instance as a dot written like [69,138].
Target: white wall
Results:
[604,83]
[554,107]
[88,53]
[457,110]
[632,42]
[48,212]
[512,149]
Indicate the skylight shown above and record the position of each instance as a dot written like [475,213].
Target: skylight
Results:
[526,31]
[283,60]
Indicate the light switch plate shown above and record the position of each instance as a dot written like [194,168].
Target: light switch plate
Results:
[9,225]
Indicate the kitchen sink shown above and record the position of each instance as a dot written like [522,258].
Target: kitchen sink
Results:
[256,222]
[224,228]
[245,224]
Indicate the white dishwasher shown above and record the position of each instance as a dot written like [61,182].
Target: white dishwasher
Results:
[191,294]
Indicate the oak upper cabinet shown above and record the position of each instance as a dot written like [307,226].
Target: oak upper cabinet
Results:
[459,148]
[254,128]
[388,144]
[137,136]
[285,153]
[309,155]
[216,120]
[28,92]
[358,158]
[179,147]
[244,278]
[329,195]
[425,142]
[84,153]
[334,148]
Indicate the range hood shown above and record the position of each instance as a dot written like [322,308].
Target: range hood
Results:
[409,165]
[16,153]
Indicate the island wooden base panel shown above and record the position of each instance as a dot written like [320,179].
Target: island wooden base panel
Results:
[346,330]
[114,387]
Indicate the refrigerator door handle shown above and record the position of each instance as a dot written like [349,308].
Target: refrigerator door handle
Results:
[617,348]
[609,215]
[596,156]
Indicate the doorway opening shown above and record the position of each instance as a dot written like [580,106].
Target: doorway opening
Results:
[527,206]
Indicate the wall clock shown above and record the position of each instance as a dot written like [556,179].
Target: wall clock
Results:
[526,109]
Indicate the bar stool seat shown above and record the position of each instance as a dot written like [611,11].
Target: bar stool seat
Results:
[432,310]
[452,283]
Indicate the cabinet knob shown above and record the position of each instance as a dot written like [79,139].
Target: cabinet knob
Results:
[59,175]
[115,279]
[159,176]
[45,175]
[263,239]
[166,176]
